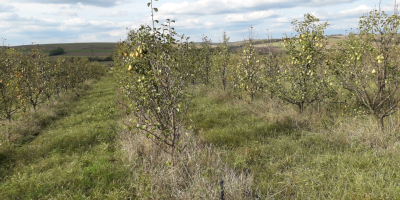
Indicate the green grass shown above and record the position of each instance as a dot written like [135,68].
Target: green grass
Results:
[74,157]
[292,163]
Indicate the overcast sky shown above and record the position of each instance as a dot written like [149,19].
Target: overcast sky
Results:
[71,21]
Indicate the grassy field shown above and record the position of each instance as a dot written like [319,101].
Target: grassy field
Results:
[76,49]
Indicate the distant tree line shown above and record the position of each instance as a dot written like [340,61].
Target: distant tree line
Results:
[99,59]
[58,51]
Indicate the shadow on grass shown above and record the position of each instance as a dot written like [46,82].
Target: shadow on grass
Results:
[229,126]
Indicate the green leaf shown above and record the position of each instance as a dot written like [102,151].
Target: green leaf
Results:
[155,9]
[156,21]
[148,4]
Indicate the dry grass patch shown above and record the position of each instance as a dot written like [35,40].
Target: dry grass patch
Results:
[196,174]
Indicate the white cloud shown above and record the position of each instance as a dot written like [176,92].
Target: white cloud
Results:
[209,24]
[78,6]
[358,11]
[75,22]
[251,16]
[115,33]
[9,16]
[98,3]
[188,23]
[275,25]
[64,13]
[352,20]
[7,8]
[88,38]
[68,13]
[284,19]
[103,24]
[213,7]
[118,13]
[43,21]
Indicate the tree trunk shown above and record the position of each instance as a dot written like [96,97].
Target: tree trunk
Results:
[224,78]
[301,107]
[381,124]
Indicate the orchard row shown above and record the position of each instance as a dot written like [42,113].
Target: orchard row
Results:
[30,79]
[155,66]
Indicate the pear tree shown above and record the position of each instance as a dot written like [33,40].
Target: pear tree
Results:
[11,99]
[249,69]
[34,80]
[206,61]
[222,61]
[301,78]
[367,64]
[153,84]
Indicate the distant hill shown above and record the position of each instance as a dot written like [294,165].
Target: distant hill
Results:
[75,49]
[103,50]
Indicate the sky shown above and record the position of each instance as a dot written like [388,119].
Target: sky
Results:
[78,21]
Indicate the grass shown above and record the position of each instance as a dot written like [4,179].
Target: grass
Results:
[74,156]
[75,148]
[292,159]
